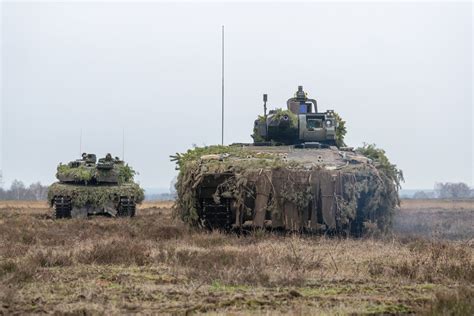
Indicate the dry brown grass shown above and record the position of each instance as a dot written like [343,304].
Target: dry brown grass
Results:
[156,205]
[28,206]
[151,264]
[432,204]
[439,219]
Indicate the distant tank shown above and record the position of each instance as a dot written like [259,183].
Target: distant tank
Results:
[89,187]
[293,177]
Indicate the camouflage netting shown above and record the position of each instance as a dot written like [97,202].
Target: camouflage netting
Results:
[353,198]
[97,196]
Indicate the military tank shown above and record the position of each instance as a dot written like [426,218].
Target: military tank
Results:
[297,175]
[88,186]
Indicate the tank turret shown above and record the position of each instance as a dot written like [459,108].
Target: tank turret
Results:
[88,170]
[89,186]
[300,124]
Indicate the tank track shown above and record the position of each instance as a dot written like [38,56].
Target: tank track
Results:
[216,216]
[62,207]
[126,207]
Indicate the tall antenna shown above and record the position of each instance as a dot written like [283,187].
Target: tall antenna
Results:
[123,144]
[80,143]
[222,140]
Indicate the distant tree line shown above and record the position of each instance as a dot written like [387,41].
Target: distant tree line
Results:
[18,191]
[36,192]
[160,197]
[452,190]
[447,190]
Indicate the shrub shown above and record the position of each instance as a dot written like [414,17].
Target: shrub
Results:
[117,251]
[50,258]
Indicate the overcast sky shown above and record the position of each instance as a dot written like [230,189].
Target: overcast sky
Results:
[400,74]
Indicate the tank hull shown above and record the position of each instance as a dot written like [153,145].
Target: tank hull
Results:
[282,187]
[78,201]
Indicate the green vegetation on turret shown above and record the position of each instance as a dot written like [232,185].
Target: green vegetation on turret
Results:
[280,113]
[255,135]
[341,130]
[279,135]
[125,173]
[292,131]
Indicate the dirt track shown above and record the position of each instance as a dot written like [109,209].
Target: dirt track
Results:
[152,264]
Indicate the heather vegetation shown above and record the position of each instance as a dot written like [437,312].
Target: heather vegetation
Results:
[151,264]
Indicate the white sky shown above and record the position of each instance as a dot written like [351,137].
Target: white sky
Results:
[400,74]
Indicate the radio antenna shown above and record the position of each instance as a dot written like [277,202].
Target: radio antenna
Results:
[80,143]
[123,144]
[222,139]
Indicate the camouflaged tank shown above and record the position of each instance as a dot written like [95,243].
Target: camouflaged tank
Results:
[293,177]
[89,187]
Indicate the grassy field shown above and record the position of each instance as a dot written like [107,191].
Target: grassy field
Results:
[153,264]
[445,219]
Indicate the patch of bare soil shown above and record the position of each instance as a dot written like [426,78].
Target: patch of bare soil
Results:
[152,264]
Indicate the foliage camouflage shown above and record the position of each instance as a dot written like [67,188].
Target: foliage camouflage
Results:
[382,162]
[340,130]
[301,124]
[292,131]
[297,175]
[95,187]
[96,196]
[369,196]
[124,173]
